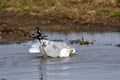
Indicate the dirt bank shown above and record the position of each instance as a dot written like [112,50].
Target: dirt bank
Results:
[17,26]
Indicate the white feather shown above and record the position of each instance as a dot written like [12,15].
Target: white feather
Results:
[35,48]
[52,48]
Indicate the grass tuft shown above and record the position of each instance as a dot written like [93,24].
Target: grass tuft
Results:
[116,14]
[118,1]
[104,11]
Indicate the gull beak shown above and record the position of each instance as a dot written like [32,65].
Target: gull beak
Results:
[72,50]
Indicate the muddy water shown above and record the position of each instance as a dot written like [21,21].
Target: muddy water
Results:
[100,61]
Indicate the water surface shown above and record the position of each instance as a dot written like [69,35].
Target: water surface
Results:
[100,61]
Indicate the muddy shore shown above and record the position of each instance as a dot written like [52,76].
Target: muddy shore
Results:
[15,27]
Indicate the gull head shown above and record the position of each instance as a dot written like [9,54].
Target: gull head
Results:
[66,52]
[72,50]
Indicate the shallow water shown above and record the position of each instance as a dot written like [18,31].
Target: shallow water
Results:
[100,61]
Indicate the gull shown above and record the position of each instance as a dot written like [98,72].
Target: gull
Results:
[50,48]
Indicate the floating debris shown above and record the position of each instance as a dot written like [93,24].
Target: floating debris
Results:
[82,41]
[79,42]
[118,45]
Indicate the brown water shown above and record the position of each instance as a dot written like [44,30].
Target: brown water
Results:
[100,61]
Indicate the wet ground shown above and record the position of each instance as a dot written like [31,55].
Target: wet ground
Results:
[98,61]
[14,24]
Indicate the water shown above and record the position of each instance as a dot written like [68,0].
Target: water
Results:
[100,61]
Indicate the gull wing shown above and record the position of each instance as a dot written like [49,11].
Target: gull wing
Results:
[35,48]
[52,50]
[61,45]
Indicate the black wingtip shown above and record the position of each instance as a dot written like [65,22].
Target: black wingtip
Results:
[37,28]
[38,35]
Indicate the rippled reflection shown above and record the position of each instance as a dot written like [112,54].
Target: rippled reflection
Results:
[91,62]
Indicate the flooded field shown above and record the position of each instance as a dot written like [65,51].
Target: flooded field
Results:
[98,61]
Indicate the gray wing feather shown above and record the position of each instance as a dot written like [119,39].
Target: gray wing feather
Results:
[52,50]
[61,45]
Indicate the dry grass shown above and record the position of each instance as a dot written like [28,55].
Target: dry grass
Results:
[76,10]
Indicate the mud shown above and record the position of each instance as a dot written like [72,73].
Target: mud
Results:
[16,27]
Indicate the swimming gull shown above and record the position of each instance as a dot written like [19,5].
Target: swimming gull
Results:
[50,48]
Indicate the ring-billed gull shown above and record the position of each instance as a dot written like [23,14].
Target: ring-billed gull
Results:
[50,48]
